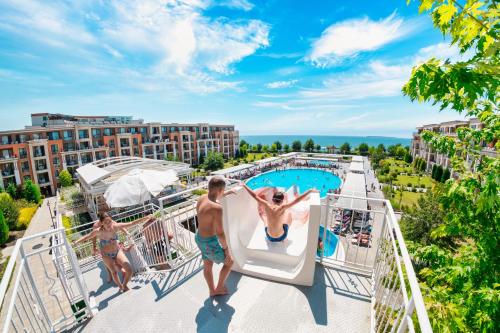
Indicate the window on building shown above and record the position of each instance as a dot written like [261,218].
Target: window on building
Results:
[83,134]
[67,135]
[54,149]
[53,135]
[135,141]
[25,166]
[22,153]
[96,132]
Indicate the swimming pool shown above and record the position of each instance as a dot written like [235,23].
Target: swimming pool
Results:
[329,243]
[320,162]
[303,178]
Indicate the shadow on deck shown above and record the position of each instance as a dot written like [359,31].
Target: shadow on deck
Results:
[339,301]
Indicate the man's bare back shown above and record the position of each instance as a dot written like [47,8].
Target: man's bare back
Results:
[278,214]
[276,217]
[209,216]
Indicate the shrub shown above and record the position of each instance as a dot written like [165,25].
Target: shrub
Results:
[214,161]
[199,192]
[25,216]
[9,210]
[409,185]
[4,230]
[65,178]
[12,190]
[31,192]
[66,221]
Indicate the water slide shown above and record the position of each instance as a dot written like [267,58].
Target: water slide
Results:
[291,261]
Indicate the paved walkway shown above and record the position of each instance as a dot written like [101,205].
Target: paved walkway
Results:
[338,301]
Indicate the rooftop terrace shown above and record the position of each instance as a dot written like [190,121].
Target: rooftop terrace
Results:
[56,286]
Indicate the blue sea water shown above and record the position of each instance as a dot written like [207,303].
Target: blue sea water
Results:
[324,140]
[303,178]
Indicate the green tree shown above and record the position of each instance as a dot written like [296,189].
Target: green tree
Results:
[309,145]
[391,150]
[4,230]
[244,150]
[286,148]
[259,147]
[31,192]
[434,169]
[446,175]
[255,148]
[401,152]
[265,149]
[296,145]
[461,281]
[12,190]
[274,148]
[381,148]
[363,149]
[318,147]
[439,173]
[65,178]
[243,143]
[213,161]
[408,158]
[9,210]
[279,146]
[418,221]
[345,148]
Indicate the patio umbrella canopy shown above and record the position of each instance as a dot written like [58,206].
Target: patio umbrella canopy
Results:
[138,186]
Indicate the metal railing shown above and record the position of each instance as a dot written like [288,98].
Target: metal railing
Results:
[41,297]
[368,240]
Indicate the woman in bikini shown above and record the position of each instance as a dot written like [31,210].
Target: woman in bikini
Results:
[112,254]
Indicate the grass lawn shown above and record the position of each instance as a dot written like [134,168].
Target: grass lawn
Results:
[409,199]
[405,179]
[257,156]
[398,165]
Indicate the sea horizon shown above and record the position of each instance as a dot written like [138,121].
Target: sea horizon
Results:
[327,140]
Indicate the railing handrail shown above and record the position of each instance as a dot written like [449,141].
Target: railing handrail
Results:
[416,294]
[4,284]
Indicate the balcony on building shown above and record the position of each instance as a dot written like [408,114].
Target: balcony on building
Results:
[124,142]
[43,179]
[40,165]
[39,151]
[83,134]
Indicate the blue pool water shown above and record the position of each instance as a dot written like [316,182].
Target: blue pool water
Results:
[303,178]
[319,162]
[329,242]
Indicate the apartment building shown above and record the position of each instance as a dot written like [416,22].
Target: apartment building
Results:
[420,148]
[55,142]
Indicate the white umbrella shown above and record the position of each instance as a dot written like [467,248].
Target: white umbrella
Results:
[138,186]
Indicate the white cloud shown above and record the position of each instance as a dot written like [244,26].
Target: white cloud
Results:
[281,84]
[236,4]
[348,38]
[171,41]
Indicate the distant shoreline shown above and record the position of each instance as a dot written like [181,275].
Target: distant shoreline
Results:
[326,140]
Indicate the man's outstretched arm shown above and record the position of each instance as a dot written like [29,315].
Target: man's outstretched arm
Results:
[255,196]
[299,198]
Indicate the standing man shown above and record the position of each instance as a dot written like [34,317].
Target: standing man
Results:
[210,236]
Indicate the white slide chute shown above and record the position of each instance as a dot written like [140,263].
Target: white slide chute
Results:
[291,261]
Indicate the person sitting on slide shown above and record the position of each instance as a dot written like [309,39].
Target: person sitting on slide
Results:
[278,213]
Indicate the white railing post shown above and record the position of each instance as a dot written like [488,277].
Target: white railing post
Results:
[77,273]
[33,287]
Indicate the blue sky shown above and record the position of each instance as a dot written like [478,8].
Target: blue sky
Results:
[269,67]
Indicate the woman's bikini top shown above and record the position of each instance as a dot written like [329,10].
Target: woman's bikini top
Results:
[104,242]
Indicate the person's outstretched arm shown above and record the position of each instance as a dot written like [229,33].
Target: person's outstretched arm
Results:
[93,234]
[123,226]
[299,198]
[255,196]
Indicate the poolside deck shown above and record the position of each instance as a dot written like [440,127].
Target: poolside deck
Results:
[339,301]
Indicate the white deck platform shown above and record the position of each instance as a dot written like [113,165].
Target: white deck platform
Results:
[338,302]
